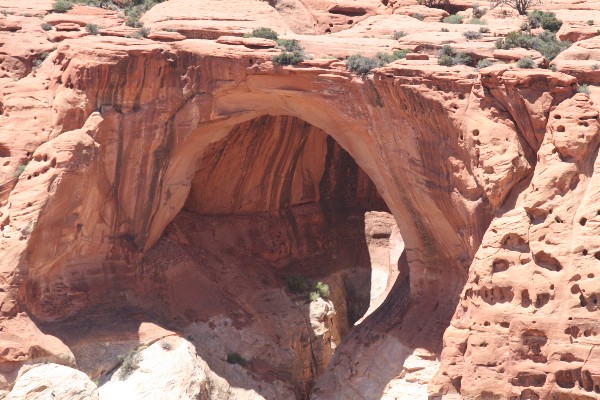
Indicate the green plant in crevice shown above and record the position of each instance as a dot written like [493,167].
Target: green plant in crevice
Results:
[584,88]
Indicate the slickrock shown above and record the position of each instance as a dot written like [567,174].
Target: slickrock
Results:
[180,217]
[53,381]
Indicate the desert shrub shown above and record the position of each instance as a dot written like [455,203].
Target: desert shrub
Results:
[362,65]
[594,67]
[398,34]
[19,170]
[387,58]
[418,16]
[526,62]
[546,43]
[288,58]
[476,21]
[547,20]
[236,358]
[484,29]
[453,19]
[590,22]
[478,12]
[166,346]
[141,33]
[583,89]
[46,26]
[265,33]
[289,45]
[320,290]
[323,289]
[444,30]
[472,35]
[62,6]
[448,57]
[446,61]
[296,283]
[93,29]
[130,364]
[484,63]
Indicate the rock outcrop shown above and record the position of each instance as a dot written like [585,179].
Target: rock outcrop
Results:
[185,184]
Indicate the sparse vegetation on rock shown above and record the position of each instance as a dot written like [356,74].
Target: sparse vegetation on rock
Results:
[62,6]
[526,62]
[546,43]
[398,34]
[453,19]
[448,57]
[265,33]
[472,35]
[288,58]
[129,364]
[93,29]
[484,63]
[546,20]
[478,12]
[583,89]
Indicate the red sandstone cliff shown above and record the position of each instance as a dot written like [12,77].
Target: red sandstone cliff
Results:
[170,186]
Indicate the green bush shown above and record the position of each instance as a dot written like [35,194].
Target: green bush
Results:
[320,290]
[362,65]
[19,170]
[444,30]
[590,22]
[236,358]
[476,21]
[453,19]
[526,62]
[141,33]
[484,29]
[547,20]
[289,45]
[448,57]
[387,58]
[484,63]
[583,89]
[323,288]
[130,364]
[446,61]
[398,34]
[265,33]
[62,6]
[472,35]
[296,283]
[46,26]
[418,16]
[93,29]
[546,43]
[288,58]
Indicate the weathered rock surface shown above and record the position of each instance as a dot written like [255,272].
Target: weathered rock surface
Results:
[177,183]
[53,381]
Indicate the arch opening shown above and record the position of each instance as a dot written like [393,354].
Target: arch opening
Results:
[275,207]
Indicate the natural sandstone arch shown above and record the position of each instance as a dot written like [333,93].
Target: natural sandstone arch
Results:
[150,109]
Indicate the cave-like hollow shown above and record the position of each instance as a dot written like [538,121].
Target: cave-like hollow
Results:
[274,207]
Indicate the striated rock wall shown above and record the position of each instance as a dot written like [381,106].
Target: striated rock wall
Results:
[183,180]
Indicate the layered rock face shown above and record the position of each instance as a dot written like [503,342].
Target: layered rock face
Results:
[185,185]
